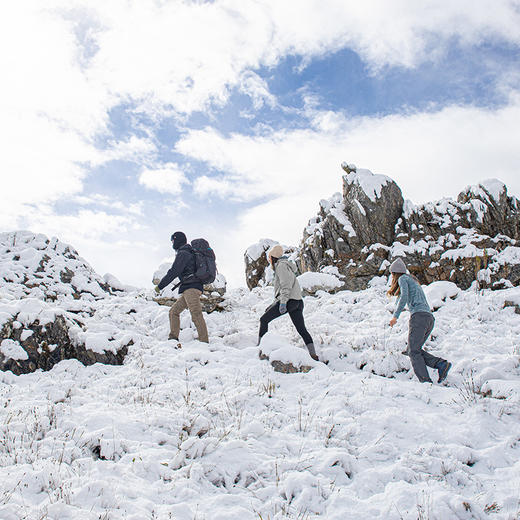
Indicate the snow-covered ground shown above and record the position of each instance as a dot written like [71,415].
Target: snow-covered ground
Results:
[213,433]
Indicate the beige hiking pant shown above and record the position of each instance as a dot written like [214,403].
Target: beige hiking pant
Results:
[189,299]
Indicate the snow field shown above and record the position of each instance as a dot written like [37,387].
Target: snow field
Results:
[212,432]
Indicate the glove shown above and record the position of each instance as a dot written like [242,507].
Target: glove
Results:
[282,308]
[157,290]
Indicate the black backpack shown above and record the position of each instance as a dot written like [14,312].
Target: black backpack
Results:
[205,264]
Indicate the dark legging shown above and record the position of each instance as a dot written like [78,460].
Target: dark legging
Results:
[295,311]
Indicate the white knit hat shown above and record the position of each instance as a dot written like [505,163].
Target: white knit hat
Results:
[398,266]
[276,251]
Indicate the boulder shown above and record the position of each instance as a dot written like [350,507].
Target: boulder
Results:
[256,262]
[32,265]
[329,280]
[354,229]
[373,204]
[288,367]
[39,342]
[284,357]
[48,301]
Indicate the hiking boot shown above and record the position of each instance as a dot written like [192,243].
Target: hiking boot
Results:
[443,368]
[312,352]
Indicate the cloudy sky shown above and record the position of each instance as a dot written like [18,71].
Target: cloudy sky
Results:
[124,121]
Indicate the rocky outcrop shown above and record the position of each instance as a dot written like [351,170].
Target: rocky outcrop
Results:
[39,344]
[359,231]
[474,238]
[373,204]
[49,297]
[354,229]
[32,265]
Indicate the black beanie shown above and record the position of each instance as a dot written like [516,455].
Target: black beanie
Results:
[179,239]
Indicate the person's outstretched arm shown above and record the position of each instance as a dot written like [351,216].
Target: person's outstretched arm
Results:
[176,269]
[403,298]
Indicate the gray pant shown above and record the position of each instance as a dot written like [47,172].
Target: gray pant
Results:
[421,326]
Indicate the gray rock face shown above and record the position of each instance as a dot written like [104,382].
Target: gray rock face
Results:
[373,204]
[47,345]
[474,238]
[493,212]
[354,230]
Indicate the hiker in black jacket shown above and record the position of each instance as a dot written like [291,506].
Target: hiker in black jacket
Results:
[190,289]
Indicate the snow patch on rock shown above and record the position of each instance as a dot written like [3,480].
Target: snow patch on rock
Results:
[372,184]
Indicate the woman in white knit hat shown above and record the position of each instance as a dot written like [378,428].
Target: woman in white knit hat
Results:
[288,298]
[410,293]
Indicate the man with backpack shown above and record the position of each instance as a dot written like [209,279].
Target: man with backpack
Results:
[194,266]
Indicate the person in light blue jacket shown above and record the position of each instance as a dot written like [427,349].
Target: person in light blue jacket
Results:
[410,293]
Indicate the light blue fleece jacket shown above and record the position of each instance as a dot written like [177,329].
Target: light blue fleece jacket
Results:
[411,295]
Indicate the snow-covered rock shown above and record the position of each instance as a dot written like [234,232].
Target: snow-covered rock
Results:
[314,282]
[258,271]
[360,231]
[283,356]
[35,334]
[34,265]
[47,301]
[437,293]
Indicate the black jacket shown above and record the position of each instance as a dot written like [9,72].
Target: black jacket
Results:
[183,269]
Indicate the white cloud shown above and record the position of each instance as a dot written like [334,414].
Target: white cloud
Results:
[187,54]
[136,149]
[50,113]
[456,144]
[108,202]
[85,224]
[167,179]
[254,86]
[66,64]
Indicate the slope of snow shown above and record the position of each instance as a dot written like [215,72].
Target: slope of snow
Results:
[212,432]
